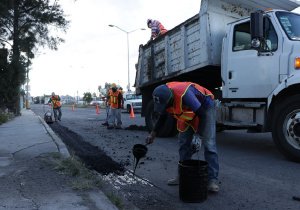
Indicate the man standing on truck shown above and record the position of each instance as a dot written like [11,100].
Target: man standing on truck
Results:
[56,106]
[194,108]
[157,28]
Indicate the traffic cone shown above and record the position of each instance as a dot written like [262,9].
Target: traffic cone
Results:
[131,113]
[97,109]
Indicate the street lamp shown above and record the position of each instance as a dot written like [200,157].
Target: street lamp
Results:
[127,33]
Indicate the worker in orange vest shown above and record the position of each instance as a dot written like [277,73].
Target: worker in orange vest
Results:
[56,106]
[116,102]
[194,108]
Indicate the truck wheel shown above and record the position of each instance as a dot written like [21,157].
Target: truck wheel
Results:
[286,127]
[151,117]
[128,109]
[220,128]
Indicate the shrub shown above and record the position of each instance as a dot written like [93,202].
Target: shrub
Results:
[3,117]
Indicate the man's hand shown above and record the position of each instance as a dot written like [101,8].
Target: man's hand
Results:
[151,137]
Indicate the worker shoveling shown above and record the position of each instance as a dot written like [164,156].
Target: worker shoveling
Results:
[139,151]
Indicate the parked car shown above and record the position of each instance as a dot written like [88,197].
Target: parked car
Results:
[132,100]
[99,103]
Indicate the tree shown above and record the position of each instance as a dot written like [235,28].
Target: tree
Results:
[99,88]
[25,25]
[87,97]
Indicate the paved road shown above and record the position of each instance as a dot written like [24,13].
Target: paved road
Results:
[253,174]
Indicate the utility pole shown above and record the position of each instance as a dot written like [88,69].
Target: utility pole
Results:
[27,104]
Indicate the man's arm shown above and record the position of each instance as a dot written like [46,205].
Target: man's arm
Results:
[159,123]
[120,98]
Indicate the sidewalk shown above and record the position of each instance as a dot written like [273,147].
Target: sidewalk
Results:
[26,181]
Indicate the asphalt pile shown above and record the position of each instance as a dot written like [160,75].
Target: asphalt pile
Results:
[92,156]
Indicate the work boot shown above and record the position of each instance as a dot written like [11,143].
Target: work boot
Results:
[110,127]
[213,186]
[174,181]
[118,127]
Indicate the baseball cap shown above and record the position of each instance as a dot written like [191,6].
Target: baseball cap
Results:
[161,97]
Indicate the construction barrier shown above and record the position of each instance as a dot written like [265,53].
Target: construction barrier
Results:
[132,113]
[97,109]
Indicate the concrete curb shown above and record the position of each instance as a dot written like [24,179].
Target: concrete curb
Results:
[59,143]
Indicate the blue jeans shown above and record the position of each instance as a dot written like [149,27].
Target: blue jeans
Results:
[55,110]
[114,115]
[207,131]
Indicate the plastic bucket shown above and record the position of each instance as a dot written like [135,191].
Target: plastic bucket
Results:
[193,180]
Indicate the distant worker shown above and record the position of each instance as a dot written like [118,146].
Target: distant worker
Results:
[56,106]
[120,106]
[107,105]
[194,108]
[157,28]
[115,100]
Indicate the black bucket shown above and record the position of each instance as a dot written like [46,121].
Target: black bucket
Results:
[193,180]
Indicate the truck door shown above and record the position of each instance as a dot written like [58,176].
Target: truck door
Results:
[247,73]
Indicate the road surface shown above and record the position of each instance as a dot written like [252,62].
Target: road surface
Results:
[253,174]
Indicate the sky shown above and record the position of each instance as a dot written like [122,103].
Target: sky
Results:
[93,52]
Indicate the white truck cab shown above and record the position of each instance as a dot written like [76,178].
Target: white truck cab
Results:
[248,73]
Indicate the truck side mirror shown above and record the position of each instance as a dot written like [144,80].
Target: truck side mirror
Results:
[256,28]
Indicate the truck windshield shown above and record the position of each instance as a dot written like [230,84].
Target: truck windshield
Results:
[290,22]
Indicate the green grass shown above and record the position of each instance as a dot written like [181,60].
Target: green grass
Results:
[84,178]
[115,200]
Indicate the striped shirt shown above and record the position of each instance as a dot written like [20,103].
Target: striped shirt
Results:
[157,29]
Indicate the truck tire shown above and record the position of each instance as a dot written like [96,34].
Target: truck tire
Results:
[151,117]
[286,127]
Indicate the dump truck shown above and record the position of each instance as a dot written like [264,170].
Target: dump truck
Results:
[247,53]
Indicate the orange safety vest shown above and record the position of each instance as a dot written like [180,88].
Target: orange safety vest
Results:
[113,98]
[55,102]
[184,115]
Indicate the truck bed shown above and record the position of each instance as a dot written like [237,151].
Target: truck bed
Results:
[192,50]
